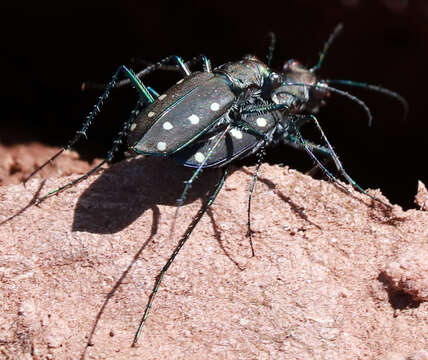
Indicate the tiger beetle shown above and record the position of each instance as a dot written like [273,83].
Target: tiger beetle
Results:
[212,117]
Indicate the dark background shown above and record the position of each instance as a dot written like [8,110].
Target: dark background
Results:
[48,50]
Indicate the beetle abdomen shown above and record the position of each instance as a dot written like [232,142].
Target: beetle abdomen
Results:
[211,150]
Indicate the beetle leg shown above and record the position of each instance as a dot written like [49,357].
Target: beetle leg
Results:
[182,241]
[260,110]
[146,96]
[153,92]
[293,141]
[339,165]
[163,65]
[116,143]
[260,155]
[148,70]
[336,161]
[307,148]
[249,129]
[182,65]
[206,65]
[167,67]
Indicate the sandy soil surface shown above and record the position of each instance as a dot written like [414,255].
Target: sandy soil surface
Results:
[335,275]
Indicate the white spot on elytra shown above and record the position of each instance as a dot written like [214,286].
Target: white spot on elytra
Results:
[215,106]
[180,81]
[236,133]
[194,119]
[262,122]
[275,99]
[133,126]
[199,157]
[163,96]
[151,114]
[167,125]
[161,146]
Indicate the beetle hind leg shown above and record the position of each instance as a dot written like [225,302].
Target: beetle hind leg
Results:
[116,144]
[182,241]
[145,97]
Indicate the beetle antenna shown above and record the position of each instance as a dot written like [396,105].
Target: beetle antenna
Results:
[330,40]
[376,88]
[337,91]
[271,48]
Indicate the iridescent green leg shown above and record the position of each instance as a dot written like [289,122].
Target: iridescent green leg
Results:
[308,149]
[295,143]
[164,65]
[116,143]
[199,170]
[336,161]
[260,155]
[339,165]
[176,251]
[146,97]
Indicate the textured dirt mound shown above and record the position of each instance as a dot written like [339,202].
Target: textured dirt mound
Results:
[335,276]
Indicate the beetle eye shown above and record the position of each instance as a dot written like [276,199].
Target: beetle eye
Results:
[291,65]
[275,79]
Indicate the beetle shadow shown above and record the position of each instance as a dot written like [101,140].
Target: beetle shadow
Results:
[123,193]
[295,208]
[398,298]
[217,234]
[126,190]
[31,203]
[118,282]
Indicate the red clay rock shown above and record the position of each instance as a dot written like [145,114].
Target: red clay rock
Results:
[19,161]
[419,355]
[78,269]
[409,272]
[421,198]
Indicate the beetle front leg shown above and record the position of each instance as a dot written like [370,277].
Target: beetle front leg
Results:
[332,154]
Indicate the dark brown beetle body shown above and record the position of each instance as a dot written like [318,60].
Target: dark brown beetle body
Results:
[188,119]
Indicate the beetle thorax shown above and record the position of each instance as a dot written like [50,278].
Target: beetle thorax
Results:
[249,72]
